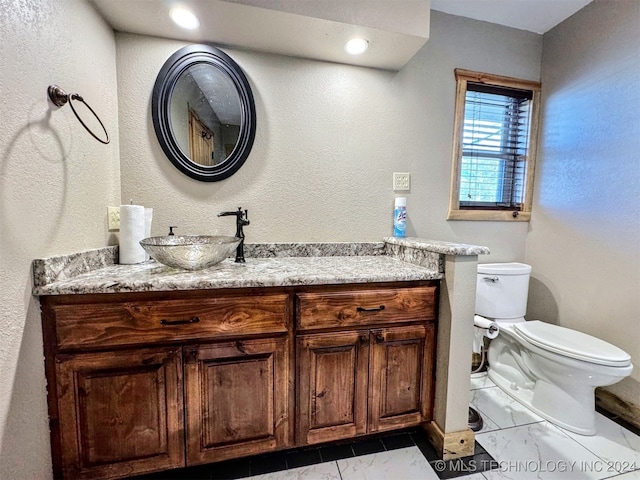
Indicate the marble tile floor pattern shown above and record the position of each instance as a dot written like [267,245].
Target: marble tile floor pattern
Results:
[514,443]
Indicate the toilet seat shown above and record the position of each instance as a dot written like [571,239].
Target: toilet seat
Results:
[571,343]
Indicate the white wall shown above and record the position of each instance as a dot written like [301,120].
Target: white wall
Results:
[584,240]
[329,138]
[55,182]
[423,143]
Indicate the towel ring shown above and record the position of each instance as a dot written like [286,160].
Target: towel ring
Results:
[59,97]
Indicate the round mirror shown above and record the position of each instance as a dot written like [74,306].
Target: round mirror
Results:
[203,113]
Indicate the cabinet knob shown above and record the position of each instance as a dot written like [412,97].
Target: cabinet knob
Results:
[240,347]
[380,336]
[191,355]
[364,337]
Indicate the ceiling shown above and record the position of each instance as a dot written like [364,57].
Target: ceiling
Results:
[318,29]
[538,16]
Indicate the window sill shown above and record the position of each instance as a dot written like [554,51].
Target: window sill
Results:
[488,215]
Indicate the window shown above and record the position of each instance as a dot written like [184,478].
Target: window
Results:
[494,146]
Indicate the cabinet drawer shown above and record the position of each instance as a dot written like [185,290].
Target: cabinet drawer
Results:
[363,307]
[126,323]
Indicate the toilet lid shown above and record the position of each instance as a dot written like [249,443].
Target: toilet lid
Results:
[571,343]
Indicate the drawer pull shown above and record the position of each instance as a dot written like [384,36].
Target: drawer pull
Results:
[164,321]
[373,309]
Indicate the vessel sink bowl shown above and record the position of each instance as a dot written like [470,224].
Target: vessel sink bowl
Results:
[191,252]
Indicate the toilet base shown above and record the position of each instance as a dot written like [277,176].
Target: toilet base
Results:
[525,395]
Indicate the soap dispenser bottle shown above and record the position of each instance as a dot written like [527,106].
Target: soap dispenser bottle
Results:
[400,217]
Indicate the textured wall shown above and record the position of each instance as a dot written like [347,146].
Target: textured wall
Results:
[584,243]
[423,143]
[329,138]
[55,182]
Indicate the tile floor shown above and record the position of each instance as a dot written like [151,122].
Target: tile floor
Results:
[527,446]
[514,443]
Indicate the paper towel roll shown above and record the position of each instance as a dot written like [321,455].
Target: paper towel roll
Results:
[483,327]
[148,218]
[132,230]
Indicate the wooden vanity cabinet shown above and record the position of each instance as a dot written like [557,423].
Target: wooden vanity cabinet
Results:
[119,412]
[236,398]
[150,381]
[401,370]
[332,386]
[374,378]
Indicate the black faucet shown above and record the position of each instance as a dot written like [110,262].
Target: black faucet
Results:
[241,220]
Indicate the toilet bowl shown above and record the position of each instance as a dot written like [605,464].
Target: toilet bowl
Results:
[552,370]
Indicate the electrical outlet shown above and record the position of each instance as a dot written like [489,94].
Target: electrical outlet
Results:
[113,218]
[401,182]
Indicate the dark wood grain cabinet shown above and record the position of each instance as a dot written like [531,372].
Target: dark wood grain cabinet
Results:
[332,386]
[150,381]
[236,399]
[365,360]
[401,369]
[120,412]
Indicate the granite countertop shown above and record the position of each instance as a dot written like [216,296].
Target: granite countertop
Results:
[256,272]
[267,265]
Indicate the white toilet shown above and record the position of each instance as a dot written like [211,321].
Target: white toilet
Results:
[552,370]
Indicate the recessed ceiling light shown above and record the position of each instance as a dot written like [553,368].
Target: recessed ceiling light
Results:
[184,18]
[356,46]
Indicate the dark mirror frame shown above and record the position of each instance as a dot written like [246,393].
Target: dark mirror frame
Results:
[161,102]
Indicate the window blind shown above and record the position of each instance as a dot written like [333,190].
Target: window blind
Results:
[494,147]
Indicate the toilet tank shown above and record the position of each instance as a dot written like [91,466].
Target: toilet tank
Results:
[502,290]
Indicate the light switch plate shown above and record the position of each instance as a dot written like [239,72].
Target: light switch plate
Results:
[401,182]
[113,218]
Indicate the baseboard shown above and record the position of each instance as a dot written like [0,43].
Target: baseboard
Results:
[627,411]
[453,444]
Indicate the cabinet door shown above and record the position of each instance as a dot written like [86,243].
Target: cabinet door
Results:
[237,396]
[400,377]
[332,386]
[120,412]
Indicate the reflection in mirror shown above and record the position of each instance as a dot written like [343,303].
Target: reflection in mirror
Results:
[206,127]
[203,113]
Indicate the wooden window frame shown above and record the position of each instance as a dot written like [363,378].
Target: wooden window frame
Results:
[457,213]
